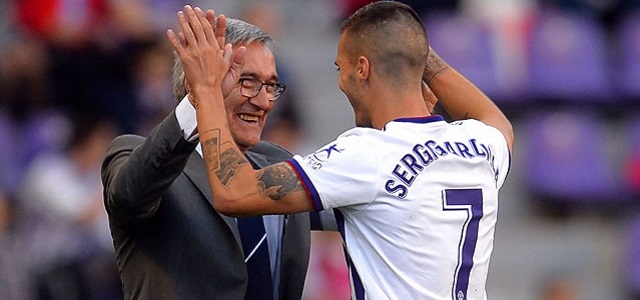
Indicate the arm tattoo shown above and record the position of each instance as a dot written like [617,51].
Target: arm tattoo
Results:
[230,161]
[278,181]
[211,152]
[225,165]
[435,65]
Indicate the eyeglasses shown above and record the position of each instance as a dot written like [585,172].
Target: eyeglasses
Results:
[252,87]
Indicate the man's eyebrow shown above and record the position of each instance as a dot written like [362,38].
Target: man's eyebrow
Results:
[254,75]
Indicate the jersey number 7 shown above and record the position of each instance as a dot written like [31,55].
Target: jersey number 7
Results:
[469,200]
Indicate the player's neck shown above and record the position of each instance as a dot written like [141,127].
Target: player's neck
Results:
[403,105]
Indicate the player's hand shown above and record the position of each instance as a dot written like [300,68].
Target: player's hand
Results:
[429,98]
[435,65]
[219,26]
[205,61]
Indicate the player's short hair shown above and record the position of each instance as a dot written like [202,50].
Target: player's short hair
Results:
[238,32]
[391,35]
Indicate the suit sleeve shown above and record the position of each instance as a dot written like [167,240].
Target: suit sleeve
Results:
[136,172]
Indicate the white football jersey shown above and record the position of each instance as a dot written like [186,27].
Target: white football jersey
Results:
[416,204]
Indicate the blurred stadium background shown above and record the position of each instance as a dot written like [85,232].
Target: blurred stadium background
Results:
[74,73]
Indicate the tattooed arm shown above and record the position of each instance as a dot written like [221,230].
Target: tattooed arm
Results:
[461,98]
[238,189]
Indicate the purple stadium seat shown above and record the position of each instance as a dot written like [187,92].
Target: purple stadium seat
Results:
[627,75]
[10,149]
[567,160]
[467,45]
[46,131]
[568,59]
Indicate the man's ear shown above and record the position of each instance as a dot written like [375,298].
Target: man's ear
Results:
[364,68]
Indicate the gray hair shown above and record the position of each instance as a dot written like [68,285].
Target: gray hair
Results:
[238,33]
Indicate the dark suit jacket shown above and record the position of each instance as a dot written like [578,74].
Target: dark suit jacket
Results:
[170,242]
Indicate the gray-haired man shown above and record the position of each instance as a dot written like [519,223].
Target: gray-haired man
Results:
[170,242]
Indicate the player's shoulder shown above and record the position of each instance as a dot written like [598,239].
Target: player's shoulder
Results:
[468,122]
[477,127]
[357,132]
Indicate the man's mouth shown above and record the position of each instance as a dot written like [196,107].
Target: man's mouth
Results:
[249,118]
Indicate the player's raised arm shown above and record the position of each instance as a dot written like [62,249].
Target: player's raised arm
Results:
[462,99]
[238,189]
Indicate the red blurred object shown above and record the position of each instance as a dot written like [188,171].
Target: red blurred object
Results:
[350,6]
[45,19]
[633,172]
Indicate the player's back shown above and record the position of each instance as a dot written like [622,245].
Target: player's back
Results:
[431,223]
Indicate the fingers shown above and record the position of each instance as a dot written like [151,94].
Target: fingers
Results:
[206,26]
[227,56]
[238,58]
[219,26]
[185,28]
[183,40]
[220,30]
[211,17]
[195,23]
[175,42]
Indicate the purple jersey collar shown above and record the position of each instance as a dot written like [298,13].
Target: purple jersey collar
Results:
[426,119]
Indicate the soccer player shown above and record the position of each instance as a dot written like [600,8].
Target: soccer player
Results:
[416,197]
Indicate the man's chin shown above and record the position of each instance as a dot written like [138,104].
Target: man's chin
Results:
[246,144]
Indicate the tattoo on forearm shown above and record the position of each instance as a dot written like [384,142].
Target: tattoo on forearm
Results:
[435,65]
[211,152]
[224,165]
[277,181]
[230,161]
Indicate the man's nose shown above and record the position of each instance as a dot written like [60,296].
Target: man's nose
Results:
[261,100]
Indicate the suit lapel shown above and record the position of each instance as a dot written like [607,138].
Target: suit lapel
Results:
[196,171]
[257,160]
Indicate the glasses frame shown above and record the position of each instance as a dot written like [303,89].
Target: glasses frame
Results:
[276,85]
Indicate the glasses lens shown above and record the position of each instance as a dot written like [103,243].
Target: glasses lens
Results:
[251,88]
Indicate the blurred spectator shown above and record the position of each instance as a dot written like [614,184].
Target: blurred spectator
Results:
[24,85]
[631,263]
[558,288]
[152,82]
[327,277]
[64,233]
[91,47]
[12,277]
[63,22]
[5,213]
[633,172]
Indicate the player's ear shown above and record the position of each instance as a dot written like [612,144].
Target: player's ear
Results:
[364,68]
